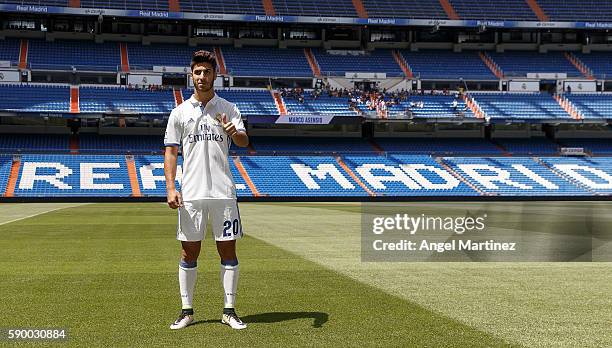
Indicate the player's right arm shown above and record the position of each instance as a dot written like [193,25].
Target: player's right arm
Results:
[172,141]
[173,196]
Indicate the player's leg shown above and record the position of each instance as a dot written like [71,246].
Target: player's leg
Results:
[190,232]
[227,228]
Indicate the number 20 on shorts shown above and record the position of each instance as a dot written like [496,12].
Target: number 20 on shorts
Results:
[230,227]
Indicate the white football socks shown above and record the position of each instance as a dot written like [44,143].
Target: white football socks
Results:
[229,280]
[188,273]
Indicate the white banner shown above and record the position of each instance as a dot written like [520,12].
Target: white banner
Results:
[524,86]
[5,64]
[171,69]
[549,76]
[580,86]
[304,119]
[137,79]
[365,75]
[9,76]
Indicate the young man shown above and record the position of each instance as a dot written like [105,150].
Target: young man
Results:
[204,126]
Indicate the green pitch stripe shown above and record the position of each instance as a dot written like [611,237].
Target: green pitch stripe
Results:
[107,272]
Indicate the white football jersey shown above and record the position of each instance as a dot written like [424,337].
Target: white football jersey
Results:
[205,146]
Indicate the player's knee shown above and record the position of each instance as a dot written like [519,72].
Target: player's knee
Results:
[229,263]
[189,255]
[184,264]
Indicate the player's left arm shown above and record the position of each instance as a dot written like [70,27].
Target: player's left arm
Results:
[234,127]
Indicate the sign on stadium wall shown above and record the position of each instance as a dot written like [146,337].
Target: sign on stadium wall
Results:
[580,86]
[101,176]
[304,119]
[302,19]
[142,79]
[9,76]
[524,86]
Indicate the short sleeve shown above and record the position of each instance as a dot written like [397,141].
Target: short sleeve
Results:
[173,130]
[236,119]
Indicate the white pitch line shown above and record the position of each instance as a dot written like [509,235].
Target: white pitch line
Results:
[40,213]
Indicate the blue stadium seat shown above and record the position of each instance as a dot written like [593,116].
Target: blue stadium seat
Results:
[379,61]
[34,143]
[529,147]
[34,98]
[258,61]
[592,105]
[9,50]
[6,162]
[426,9]
[114,100]
[62,176]
[223,6]
[514,10]
[249,102]
[519,63]
[599,62]
[146,56]
[520,106]
[512,177]
[158,5]
[65,54]
[338,8]
[577,10]
[441,64]
[438,146]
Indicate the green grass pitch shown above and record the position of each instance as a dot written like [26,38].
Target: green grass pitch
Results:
[108,273]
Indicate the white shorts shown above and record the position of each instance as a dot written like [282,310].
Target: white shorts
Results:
[224,216]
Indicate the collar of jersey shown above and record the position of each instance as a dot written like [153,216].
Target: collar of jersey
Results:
[197,103]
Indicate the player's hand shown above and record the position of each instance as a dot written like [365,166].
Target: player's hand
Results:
[228,127]
[175,200]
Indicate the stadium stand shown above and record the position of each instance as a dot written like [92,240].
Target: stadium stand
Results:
[34,143]
[379,61]
[339,8]
[9,50]
[440,64]
[34,98]
[249,102]
[323,105]
[595,146]
[519,63]
[82,55]
[311,145]
[159,5]
[259,61]
[67,175]
[388,176]
[62,3]
[438,146]
[398,175]
[600,63]
[594,174]
[577,10]
[592,105]
[492,9]
[520,106]
[147,56]
[434,106]
[529,147]
[114,100]
[512,177]
[94,143]
[5,171]
[404,9]
[268,171]
[223,6]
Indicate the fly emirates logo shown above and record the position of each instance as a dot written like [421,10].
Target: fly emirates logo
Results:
[206,133]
